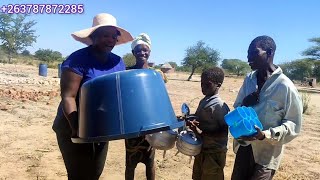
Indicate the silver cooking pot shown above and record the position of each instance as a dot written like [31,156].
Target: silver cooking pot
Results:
[163,140]
[188,144]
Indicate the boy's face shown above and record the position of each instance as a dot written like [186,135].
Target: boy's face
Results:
[208,87]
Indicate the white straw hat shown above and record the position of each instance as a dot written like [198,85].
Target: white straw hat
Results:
[100,20]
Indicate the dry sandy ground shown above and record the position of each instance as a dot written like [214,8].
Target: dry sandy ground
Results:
[28,148]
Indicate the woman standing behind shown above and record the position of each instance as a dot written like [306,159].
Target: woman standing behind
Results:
[141,49]
[86,161]
[138,149]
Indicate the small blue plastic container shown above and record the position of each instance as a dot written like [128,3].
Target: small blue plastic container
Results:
[243,128]
[242,120]
[247,111]
[235,116]
[255,118]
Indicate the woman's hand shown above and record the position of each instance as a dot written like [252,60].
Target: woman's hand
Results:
[70,84]
[73,122]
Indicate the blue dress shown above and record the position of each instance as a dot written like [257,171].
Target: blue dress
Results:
[83,161]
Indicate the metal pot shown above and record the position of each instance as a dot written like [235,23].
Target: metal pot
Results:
[163,140]
[188,144]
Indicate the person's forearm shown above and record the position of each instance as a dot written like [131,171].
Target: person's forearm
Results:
[291,123]
[70,111]
[283,133]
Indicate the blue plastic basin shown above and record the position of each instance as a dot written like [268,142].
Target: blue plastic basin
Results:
[124,105]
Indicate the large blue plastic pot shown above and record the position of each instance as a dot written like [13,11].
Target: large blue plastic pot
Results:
[43,70]
[124,105]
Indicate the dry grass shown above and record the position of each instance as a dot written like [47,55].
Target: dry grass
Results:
[305,97]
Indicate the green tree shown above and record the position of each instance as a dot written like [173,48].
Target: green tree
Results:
[47,55]
[200,56]
[286,68]
[16,33]
[173,64]
[316,70]
[235,66]
[2,55]
[129,59]
[298,69]
[313,51]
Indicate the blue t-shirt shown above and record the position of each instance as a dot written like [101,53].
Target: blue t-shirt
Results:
[85,64]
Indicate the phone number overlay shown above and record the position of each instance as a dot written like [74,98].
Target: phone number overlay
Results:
[42,9]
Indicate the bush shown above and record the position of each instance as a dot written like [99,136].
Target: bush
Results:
[48,55]
[305,97]
[299,69]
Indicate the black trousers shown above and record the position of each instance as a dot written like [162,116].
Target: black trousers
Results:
[82,161]
[245,167]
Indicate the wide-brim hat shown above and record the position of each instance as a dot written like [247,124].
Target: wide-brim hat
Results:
[101,20]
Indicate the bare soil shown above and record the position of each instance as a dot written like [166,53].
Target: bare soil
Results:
[28,147]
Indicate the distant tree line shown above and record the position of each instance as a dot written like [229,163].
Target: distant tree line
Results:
[307,67]
[301,68]
[17,33]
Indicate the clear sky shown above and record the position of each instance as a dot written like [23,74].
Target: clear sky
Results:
[173,25]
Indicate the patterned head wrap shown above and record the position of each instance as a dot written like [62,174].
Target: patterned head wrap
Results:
[142,38]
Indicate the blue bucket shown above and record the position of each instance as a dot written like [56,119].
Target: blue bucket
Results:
[59,70]
[124,105]
[43,70]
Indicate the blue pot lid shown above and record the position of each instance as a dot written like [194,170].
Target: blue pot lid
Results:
[172,132]
[190,138]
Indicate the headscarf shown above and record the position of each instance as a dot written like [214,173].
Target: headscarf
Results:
[142,38]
